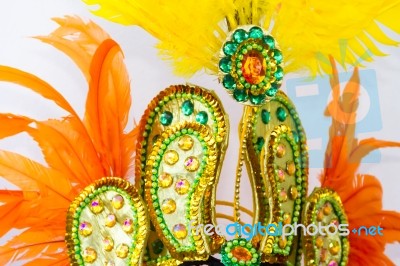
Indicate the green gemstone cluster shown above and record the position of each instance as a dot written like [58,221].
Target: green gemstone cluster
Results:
[251,66]
[239,252]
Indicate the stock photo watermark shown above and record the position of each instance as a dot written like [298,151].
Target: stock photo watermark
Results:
[248,231]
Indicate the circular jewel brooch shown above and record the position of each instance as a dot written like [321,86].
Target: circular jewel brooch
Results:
[251,66]
[239,252]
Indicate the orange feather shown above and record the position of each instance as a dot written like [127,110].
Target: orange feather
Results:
[361,195]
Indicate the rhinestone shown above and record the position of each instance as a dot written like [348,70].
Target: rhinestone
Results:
[110,220]
[334,247]
[259,144]
[265,116]
[96,206]
[165,180]
[278,56]
[241,254]
[323,255]
[281,175]
[186,143]
[293,192]
[117,201]
[230,48]
[225,64]
[320,215]
[254,67]
[281,150]
[240,35]
[283,195]
[122,251]
[171,157]
[192,164]
[327,209]
[108,243]
[166,118]
[287,218]
[187,107]
[168,206]
[333,263]
[89,255]
[127,226]
[290,168]
[228,82]
[319,241]
[269,40]
[182,186]
[179,231]
[256,33]
[279,73]
[157,246]
[282,242]
[240,95]
[281,114]
[85,229]
[202,117]
[257,99]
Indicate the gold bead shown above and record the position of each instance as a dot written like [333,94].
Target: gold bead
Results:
[290,168]
[165,180]
[334,247]
[182,186]
[282,242]
[122,251]
[110,220]
[85,229]
[171,157]
[96,206]
[179,231]
[108,243]
[117,201]
[185,143]
[320,215]
[287,218]
[89,255]
[168,206]
[319,241]
[327,209]
[293,192]
[192,164]
[281,150]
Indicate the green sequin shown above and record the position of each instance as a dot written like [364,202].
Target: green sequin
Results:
[230,48]
[187,107]
[240,95]
[256,33]
[225,64]
[202,117]
[166,118]
[228,82]
[273,90]
[281,114]
[240,35]
[265,116]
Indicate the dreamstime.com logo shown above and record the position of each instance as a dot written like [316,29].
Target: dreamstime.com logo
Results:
[248,231]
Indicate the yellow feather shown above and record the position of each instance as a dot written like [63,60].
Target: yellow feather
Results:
[191,33]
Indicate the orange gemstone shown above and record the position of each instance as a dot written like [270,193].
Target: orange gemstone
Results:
[241,254]
[254,67]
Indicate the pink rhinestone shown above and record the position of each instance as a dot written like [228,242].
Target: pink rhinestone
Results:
[332,263]
[281,175]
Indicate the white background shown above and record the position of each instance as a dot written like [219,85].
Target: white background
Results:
[21,19]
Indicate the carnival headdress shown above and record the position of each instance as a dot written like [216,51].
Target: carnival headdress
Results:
[180,142]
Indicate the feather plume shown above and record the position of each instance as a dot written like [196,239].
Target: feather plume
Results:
[343,157]
[191,33]
[77,151]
